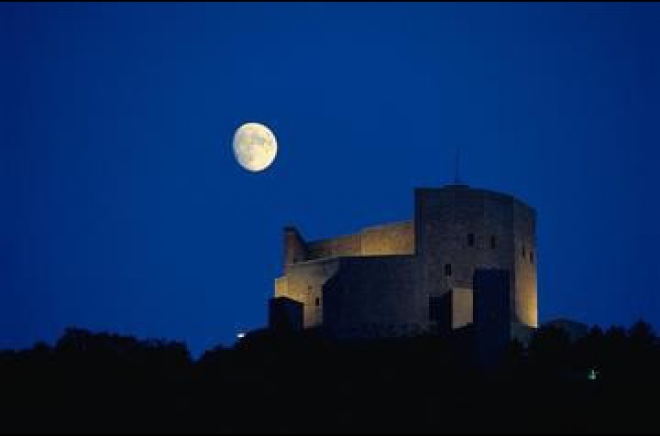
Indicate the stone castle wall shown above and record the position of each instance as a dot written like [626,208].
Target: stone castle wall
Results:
[525,295]
[304,283]
[388,239]
[459,229]
[308,265]
[347,245]
[375,297]
[444,220]
[388,278]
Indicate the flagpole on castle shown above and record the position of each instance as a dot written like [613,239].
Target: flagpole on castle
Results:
[457,172]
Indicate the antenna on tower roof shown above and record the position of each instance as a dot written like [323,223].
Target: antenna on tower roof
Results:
[457,174]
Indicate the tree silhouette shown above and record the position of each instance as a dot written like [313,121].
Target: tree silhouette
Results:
[102,382]
[550,349]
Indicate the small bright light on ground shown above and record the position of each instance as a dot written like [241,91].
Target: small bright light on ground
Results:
[593,374]
[240,335]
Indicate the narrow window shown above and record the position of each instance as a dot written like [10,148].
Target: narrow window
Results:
[531,256]
[448,269]
[470,240]
[318,301]
[493,242]
[523,251]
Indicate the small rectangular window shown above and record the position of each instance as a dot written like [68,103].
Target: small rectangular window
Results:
[318,301]
[524,253]
[493,242]
[470,240]
[531,256]
[448,269]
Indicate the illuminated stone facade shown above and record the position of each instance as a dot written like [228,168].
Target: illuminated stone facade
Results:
[415,276]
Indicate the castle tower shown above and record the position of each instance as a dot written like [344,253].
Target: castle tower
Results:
[458,230]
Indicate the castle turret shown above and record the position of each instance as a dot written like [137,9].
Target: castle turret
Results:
[460,229]
[295,249]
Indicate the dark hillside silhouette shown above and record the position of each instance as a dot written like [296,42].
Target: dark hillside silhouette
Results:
[98,382]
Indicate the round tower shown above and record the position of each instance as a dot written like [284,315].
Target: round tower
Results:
[458,230]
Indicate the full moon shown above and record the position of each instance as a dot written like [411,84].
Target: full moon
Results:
[255,146]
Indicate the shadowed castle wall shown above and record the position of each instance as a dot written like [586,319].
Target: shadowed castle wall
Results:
[374,297]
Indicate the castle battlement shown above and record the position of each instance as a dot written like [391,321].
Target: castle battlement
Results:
[384,239]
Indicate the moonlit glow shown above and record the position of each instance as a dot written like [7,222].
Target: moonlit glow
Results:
[255,146]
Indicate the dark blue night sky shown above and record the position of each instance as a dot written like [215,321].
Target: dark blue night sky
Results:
[122,208]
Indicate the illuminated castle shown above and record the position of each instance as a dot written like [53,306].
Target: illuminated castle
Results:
[467,259]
